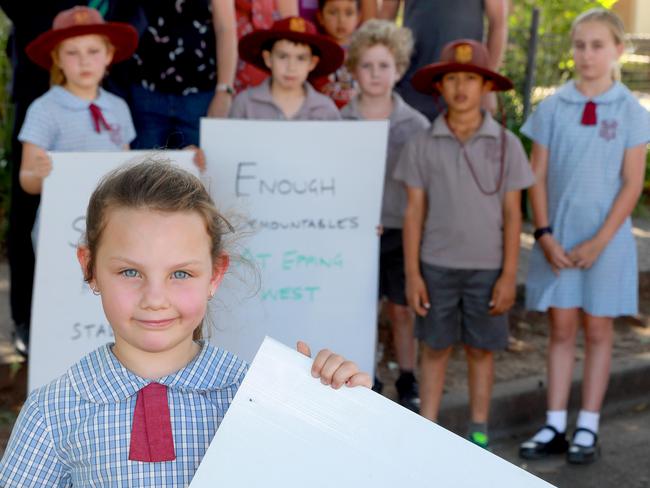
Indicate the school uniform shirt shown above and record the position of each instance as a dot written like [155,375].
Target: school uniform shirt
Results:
[76,431]
[61,121]
[257,103]
[404,123]
[583,181]
[463,227]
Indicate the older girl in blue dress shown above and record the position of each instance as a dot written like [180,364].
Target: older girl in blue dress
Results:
[142,411]
[589,159]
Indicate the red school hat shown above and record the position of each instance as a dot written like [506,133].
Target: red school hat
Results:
[461,55]
[81,21]
[298,30]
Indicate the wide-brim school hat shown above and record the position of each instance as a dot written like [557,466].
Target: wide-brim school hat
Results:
[298,30]
[80,21]
[465,55]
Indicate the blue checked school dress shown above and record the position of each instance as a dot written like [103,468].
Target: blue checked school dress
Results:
[583,181]
[75,432]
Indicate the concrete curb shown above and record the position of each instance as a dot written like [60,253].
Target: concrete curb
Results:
[519,406]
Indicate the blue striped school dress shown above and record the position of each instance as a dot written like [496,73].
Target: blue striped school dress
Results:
[583,181]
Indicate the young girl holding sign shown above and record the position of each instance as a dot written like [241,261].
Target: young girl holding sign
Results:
[589,158]
[142,411]
[76,114]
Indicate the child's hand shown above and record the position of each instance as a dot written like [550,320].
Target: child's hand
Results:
[42,164]
[584,255]
[334,370]
[416,295]
[503,295]
[379,229]
[199,156]
[554,253]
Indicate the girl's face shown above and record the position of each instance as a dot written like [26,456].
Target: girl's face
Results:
[290,64]
[155,273]
[83,60]
[376,71]
[339,18]
[595,50]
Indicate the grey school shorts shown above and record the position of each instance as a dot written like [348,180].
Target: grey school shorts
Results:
[460,309]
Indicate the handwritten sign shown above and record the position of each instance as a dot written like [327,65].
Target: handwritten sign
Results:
[284,428]
[67,319]
[305,198]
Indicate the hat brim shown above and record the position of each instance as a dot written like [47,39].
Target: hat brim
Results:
[424,80]
[123,37]
[330,54]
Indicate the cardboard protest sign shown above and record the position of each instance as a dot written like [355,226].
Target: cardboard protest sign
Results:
[305,198]
[67,320]
[295,431]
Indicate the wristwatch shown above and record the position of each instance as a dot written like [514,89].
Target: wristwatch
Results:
[541,231]
[225,87]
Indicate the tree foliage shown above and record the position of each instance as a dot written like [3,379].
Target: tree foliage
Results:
[553,63]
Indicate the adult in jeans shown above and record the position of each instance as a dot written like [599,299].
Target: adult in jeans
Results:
[29,19]
[184,70]
[435,23]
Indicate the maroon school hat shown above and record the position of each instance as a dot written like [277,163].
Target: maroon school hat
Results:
[298,30]
[80,21]
[456,56]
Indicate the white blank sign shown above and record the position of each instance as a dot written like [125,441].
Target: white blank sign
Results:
[284,428]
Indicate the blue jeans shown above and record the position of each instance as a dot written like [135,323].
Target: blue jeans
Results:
[165,120]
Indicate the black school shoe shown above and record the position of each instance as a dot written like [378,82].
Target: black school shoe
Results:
[377,385]
[538,450]
[407,391]
[578,454]
[21,339]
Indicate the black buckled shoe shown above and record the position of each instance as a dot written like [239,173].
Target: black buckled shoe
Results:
[531,449]
[578,454]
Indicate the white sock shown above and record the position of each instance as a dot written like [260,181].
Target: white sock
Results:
[586,420]
[556,419]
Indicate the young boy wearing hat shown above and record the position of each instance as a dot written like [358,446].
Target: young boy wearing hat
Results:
[75,114]
[292,51]
[461,227]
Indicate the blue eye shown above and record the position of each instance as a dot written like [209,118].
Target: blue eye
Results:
[180,275]
[130,273]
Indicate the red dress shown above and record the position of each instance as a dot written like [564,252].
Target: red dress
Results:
[252,15]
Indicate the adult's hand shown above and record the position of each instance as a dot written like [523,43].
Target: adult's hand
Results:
[220,105]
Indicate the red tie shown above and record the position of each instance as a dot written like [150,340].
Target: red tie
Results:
[589,114]
[98,118]
[151,434]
